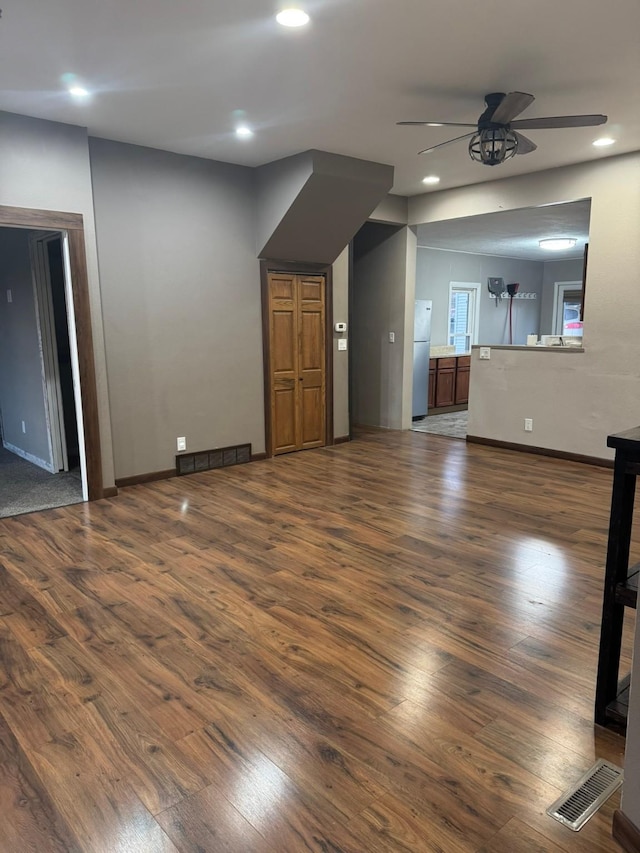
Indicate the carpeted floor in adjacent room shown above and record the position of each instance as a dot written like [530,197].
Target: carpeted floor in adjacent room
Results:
[25,487]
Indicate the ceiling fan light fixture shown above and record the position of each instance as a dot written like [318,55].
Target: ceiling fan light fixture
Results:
[431,179]
[603,142]
[557,244]
[493,146]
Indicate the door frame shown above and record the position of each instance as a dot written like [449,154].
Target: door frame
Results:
[559,289]
[272,266]
[72,226]
[475,288]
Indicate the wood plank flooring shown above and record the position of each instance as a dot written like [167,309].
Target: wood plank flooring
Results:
[389,645]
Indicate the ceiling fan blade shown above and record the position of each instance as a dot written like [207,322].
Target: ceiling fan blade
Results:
[433,147]
[511,106]
[435,124]
[525,145]
[558,121]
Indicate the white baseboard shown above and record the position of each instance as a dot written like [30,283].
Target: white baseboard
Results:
[29,457]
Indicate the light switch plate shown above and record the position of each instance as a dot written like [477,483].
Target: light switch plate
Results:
[342,344]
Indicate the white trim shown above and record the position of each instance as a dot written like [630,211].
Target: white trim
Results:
[28,456]
[54,412]
[467,285]
[75,365]
[559,289]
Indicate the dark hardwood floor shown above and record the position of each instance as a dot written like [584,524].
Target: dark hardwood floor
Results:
[389,645]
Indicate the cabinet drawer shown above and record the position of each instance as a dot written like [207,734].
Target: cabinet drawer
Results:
[444,363]
[464,361]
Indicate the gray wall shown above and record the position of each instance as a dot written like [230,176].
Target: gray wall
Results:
[379,286]
[570,270]
[436,268]
[341,357]
[181,296]
[45,165]
[21,388]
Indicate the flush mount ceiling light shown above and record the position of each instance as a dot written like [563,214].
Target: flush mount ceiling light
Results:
[603,142]
[431,179]
[78,92]
[292,18]
[244,131]
[557,244]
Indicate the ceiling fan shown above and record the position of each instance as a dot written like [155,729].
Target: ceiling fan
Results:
[496,136]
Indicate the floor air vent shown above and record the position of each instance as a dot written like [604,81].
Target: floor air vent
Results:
[206,460]
[583,800]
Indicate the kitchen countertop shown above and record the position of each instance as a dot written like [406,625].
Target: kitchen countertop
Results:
[450,355]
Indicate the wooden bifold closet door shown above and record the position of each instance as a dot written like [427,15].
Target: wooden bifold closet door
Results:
[297,374]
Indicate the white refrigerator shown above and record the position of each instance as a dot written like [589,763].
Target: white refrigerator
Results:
[421,349]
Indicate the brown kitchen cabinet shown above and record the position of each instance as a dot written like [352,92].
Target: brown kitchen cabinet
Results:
[463,369]
[449,381]
[431,402]
[445,382]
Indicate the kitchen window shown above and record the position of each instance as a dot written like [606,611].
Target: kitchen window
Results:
[463,315]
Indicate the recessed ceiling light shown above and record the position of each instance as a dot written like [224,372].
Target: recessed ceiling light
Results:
[243,131]
[557,244]
[431,179]
[603,142]
[78,92]
[292,18]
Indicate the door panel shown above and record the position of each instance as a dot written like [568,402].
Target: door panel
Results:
[312,288]
[313,424]
[283,381]
[298,362]
[312,341]
[283,355]
[284,420]
[282,287]
[312,362]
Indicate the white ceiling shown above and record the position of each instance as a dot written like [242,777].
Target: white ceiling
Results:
[513,234]
[178,75]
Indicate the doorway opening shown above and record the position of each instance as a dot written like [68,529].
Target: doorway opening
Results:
[48,395]
[42,456]
[456,261]
[568,309]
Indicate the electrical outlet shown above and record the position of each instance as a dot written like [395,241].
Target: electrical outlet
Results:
[528,424]
[485,352]
[392,337]
[342,344]
[181,443]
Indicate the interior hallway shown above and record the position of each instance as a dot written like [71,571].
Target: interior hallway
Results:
[387,645]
